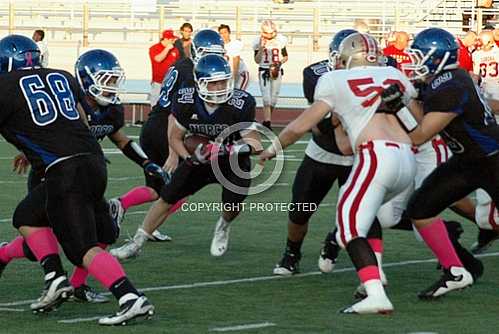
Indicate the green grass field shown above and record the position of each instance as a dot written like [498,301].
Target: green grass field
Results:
[196,293]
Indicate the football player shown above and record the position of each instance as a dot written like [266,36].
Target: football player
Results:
[454,107]
[206,109]
[384,163]
[486,66]
[155,131]
[39,116]
[324,163]
[269,53]
[234,48]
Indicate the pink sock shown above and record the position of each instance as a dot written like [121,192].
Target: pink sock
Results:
[376,245]
[12,250]
[368,273]
[106,269]
[42,243]
[137,196]
[436,237]
[177,205]
[79,276]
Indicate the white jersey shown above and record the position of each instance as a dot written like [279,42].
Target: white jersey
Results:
[272,51]
[44,53]
[486,64]
[233,49]
[354,94]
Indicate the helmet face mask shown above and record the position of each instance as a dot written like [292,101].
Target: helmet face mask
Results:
[107,85]
[209,74]
[433,51]
[100,76]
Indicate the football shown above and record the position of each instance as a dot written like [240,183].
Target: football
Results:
[274,70]
[192,141]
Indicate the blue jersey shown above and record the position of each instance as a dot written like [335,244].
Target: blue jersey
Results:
[180,75]
[190,112]
[311,74]
[474,132]
[38,115]
[106,120]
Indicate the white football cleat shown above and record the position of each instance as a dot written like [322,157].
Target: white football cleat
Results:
[57,290]
[220,241]
[379,304]
[133,308]
[159,237]
[360,292]
[132,247]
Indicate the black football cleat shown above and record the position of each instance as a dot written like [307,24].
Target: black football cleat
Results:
[484,240]
[454,278]
[289,264]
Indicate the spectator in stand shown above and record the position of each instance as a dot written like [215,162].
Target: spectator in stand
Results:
[183,44]
[162,55]
[233,47]
[396,50]
[465,61]
[38,37]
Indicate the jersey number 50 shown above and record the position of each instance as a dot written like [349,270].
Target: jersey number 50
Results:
[45,104]
[355,87]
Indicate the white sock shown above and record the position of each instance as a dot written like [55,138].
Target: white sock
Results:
[141,237]
[374,287]
[379,259]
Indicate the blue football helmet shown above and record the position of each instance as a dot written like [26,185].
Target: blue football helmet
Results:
[334,46]
[212,68]
[99,74]
[205,42]
[18,53]
[432,51]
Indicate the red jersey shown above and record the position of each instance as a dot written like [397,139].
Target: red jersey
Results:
[465,60]
[399,55]
[159,69]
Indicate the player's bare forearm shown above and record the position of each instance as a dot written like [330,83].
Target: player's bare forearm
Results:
[171,122]
[494,105]
[303,123]
[258,55]
[416,108]
[119,139]
[235,65]
[177,141]
[254,140]
[284,59]
[83,115]
[432,124]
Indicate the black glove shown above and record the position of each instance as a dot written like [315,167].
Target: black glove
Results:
[420,87]
[391,100]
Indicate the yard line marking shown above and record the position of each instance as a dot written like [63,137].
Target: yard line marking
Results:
[260,278]
[72,321]
[6,309]
[242,327]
